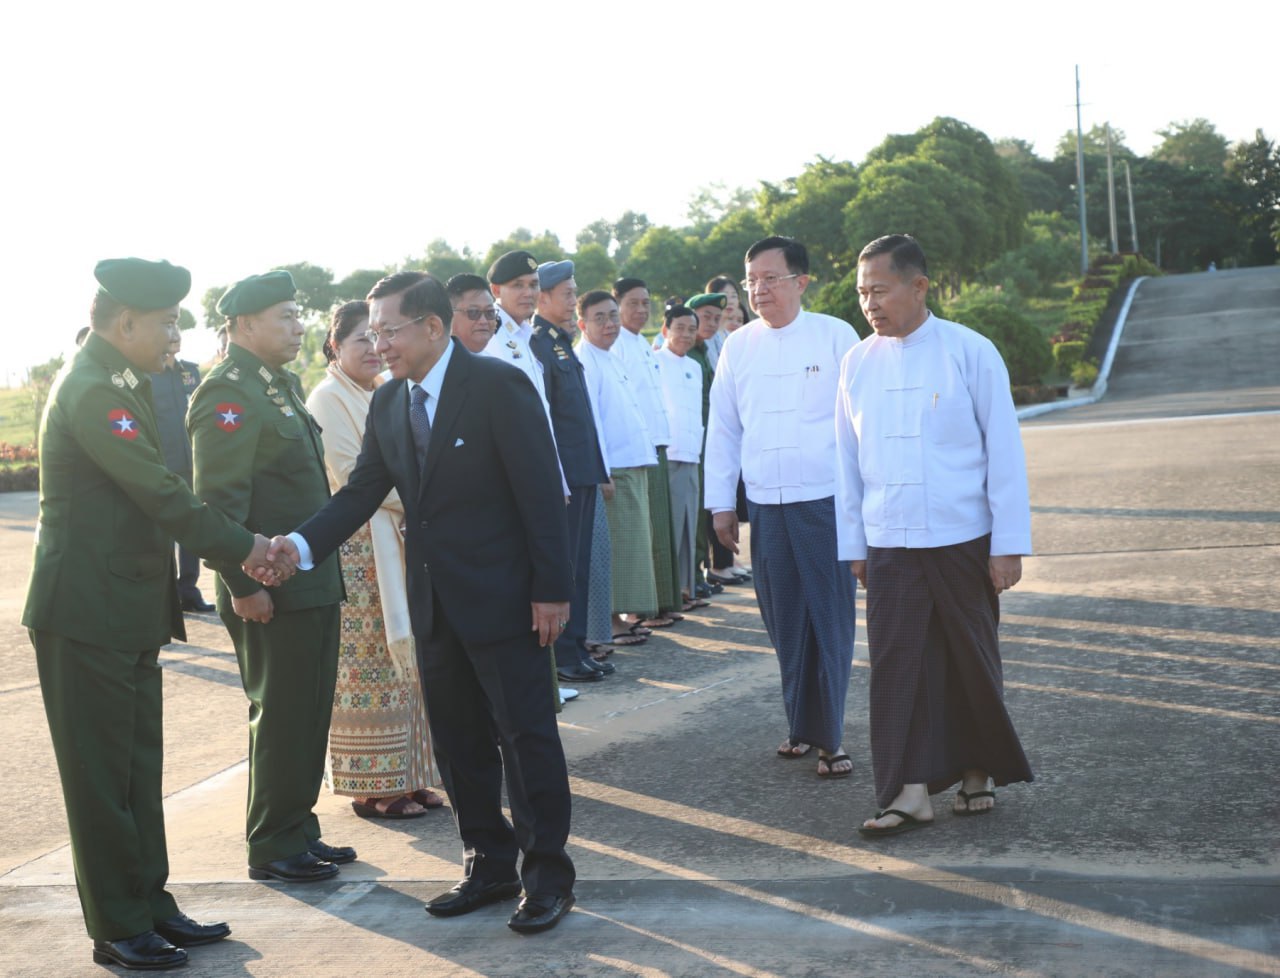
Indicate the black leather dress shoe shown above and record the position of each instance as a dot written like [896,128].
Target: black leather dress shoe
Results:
[181,931]
[539,913]
[472,894]
[604,668]
[197,603]
[302,868]
[338,855]
[581,673]
[147,951]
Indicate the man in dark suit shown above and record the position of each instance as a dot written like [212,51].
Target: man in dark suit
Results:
[466,443]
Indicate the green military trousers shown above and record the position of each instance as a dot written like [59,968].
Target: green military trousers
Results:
[288,667]
[106,718]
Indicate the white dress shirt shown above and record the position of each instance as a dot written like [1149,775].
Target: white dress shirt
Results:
[773,412]
[682,395]
[930,453]
[641,364]
[621,419]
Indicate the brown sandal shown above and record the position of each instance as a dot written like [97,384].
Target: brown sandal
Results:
[397,808]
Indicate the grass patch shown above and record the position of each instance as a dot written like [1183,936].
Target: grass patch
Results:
[17,417]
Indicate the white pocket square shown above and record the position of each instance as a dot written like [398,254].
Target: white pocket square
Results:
[457,443]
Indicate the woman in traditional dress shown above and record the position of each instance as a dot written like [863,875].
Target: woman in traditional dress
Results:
[379,746]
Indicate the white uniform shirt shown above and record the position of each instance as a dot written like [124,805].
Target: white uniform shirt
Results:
[510,343]
[930,453]
[641,364]
[682,394]
[773,412]
[621,420]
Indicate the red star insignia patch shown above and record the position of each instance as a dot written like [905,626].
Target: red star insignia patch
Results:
[122,424]
[228,416]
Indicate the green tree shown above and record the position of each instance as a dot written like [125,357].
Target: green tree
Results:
[665,259]
[995,315]
[1049,254]
[722,251]
[315,286]
[1195,144]
[443,261]
[598,232]
[543,247]
[956,165]
[593,268]
[627,230]
[357,285]
[810,207]
[1035,176]
[939,206]
[1254,166]
[712,203]
[1094,141]
[209,306]
[185,318]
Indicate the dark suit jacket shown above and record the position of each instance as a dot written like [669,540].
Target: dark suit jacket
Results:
[485,524]
[571,413]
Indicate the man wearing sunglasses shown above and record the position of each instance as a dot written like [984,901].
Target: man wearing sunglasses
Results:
[474,315]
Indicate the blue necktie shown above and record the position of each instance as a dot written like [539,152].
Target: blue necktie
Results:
[420,424]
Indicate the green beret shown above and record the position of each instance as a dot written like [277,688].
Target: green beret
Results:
[512,265]
[257,292]
[717,299]
[143,284]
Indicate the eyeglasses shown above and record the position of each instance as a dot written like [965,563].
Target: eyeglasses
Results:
[766,282]
[599,319]
[475,315]
[388,333]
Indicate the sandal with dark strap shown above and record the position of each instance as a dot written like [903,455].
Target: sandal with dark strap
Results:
[788,750]
[908,824]
[399,808]
[427,798]
[831,760]
[968,796]
[658,622]
[628,638]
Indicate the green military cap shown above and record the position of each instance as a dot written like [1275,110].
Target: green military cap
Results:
[142,284]
[707,299]
[255,293]
[512,265]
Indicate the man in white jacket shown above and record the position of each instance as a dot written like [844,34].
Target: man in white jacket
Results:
[933,483]
[773,419]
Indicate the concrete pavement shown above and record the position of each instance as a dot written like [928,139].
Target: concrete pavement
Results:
[1142,653]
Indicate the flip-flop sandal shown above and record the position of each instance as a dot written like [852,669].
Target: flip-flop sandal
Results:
[393,811]
[598,650]
[627,638]
[909,823]
[660,622]
[830,760]
[692,604]
[968,796]
[787,749]
[427,798]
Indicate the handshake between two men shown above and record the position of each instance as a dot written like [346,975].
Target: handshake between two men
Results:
[270,563]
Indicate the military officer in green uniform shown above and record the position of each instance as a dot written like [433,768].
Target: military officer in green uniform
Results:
[102,601]
[259,459]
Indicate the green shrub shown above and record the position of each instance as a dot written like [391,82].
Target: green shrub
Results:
[19,478]
[1067,354]
[1024,349]
[1084,373]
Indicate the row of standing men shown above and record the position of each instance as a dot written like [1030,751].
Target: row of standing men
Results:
[493,465]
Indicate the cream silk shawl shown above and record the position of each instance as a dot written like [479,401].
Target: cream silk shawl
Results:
[341,406]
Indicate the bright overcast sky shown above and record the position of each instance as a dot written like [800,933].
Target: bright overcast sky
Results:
[237,136]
